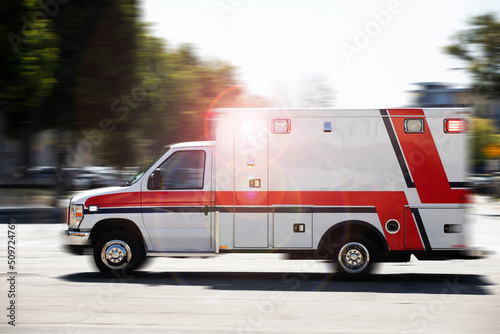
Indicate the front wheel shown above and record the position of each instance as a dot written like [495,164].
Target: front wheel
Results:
[117,253]
[354,259]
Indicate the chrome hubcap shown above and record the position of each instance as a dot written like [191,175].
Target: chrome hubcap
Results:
[116,254]
[354,257]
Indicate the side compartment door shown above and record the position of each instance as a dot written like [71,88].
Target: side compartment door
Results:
[440,227]
[251,227]
[175,202]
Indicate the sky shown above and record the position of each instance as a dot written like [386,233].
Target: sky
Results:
[369,52]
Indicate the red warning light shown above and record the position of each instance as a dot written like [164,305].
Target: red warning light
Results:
[281,126]
[455,125]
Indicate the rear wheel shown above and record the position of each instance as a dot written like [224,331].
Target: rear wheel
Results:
[117,253]
[354,258]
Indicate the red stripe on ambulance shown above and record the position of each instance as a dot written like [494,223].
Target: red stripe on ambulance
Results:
[424,162]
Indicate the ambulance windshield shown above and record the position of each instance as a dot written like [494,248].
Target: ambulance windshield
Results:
[137,176]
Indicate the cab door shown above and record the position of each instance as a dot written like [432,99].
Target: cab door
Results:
[176,196]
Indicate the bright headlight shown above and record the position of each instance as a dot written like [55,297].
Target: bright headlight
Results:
[75,215]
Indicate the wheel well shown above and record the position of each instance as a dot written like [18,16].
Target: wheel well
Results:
[107,225]
[346,229]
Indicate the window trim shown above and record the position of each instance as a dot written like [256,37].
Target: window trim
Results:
[183,189]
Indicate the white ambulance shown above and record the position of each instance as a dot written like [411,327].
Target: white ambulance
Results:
[353,187]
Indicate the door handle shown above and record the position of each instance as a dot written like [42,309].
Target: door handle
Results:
[205,210]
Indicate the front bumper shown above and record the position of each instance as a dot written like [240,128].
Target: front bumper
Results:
[77,242]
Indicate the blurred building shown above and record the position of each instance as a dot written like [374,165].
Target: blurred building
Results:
[440,94]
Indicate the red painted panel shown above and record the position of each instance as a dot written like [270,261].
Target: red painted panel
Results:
[389,205]
[131,199]
[424,162]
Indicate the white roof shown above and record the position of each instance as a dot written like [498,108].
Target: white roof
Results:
[253,113]
[193,144]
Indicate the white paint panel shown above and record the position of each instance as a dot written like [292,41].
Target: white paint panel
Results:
[434,221]
[251,230]
[452,149]
[356,156]
[284,235]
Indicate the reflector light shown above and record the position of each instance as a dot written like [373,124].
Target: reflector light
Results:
[414,125]
[281,126]
[455,125]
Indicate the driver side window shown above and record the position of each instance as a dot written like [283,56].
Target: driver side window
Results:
[182,170]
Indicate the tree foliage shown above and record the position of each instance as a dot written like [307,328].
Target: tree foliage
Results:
[29,56]
[484,134]
[479,47]
[92,68]
[179,89]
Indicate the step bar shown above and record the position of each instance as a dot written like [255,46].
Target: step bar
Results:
[182,254]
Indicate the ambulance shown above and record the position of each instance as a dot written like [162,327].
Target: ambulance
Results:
[352,187]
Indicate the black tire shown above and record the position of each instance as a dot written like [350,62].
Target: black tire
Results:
[117,253]
[355,257]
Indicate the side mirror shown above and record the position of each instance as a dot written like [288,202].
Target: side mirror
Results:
[154,182]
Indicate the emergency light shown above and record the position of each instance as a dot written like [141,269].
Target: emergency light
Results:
[280,126]
[455,125]
[414,125]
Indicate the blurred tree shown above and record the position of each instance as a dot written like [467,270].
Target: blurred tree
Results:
[75,23]
[29,56]
[92,67]
[479,46]
[107,93]
[484,136]
[62,67]
[181,88]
